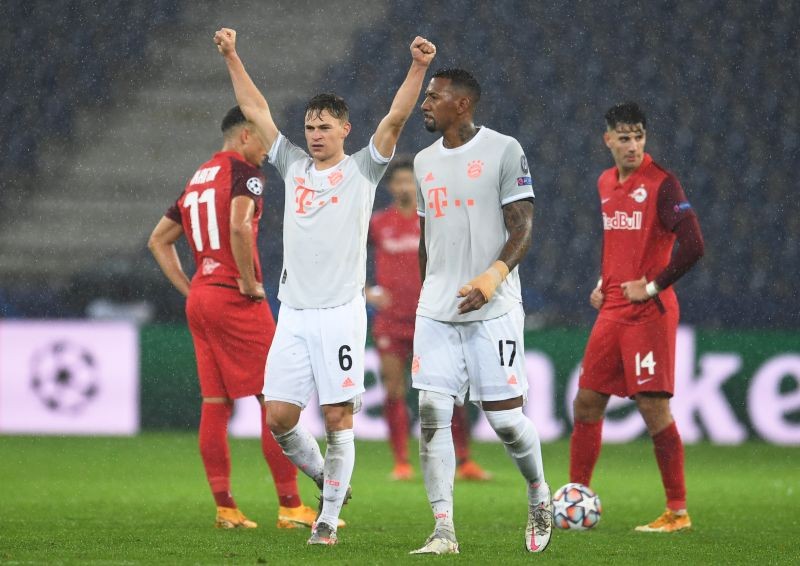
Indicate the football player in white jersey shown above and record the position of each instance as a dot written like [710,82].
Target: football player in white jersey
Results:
[321,333]
[475,202]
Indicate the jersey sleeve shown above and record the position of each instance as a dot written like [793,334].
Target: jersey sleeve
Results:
[371,163]
[174,211]
[515,177]
[673,206]
[246,181]
[420,197]
[283,153]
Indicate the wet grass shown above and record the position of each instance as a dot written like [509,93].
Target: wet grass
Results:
[144,500]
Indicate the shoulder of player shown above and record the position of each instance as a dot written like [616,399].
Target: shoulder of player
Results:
[662,176]
[241,168]
[607,176]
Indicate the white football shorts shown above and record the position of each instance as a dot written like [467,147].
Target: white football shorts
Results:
[318,349]
[485,357]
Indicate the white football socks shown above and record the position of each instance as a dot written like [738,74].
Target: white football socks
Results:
[437,457]
[522,443]
[302,449]
[340,459]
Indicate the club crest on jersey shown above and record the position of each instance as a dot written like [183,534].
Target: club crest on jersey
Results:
[474,169]
[621,221]
[254,186]
[639,194]
[335,178]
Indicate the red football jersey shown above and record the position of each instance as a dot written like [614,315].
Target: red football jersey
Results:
[395,239]
[638,218]
[204,210]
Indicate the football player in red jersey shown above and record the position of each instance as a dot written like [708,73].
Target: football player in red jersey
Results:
[631,350]
[231,323]
[394,235]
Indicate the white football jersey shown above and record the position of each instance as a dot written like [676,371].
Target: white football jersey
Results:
[461,193]
[325,224]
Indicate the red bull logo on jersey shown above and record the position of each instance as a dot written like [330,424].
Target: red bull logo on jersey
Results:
[639,195]
[622,221]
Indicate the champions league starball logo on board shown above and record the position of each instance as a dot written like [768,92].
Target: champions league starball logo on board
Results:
[65,377]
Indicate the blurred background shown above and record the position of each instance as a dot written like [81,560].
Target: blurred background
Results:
[108,108]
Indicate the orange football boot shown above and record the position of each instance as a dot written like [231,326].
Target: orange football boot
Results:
[668,522]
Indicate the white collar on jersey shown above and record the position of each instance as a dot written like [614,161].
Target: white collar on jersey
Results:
[453,150]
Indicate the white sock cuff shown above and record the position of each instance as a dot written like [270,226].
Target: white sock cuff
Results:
[288,434]
[341,436]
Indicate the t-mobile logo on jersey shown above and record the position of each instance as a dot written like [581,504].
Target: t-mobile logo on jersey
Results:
[621,221]
[304,197]
[437,201]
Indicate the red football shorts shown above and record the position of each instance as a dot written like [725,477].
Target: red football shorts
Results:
[393,336]
[232,336]
[626,359]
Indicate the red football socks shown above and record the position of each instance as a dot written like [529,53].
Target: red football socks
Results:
[669,455]
[460,430]
[213,439]
[584,450]
[284,472]
[396,415]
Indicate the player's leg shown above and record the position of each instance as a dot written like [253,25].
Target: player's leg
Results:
[393,378]
[291,511]
[467,468]
[288,385]
[215,410]
[496,366]
[649,355]
[339,462]
[602,374]
[439,372]
[337,337]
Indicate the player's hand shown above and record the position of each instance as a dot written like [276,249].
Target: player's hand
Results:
[254,292]
[474,300]
[596,298]
[378,297]
[422,51]
[635,291]
[225,39]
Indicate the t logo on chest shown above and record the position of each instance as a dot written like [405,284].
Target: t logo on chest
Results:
[304,197]
[437,201]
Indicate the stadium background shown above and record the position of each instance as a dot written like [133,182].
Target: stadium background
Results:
[109,106]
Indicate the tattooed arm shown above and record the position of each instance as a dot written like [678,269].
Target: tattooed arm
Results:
[518,217]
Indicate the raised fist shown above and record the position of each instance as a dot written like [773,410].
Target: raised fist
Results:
[422,50]
[225,39]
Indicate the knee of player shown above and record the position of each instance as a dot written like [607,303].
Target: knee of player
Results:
[435,410]
[587,407]
[509,425]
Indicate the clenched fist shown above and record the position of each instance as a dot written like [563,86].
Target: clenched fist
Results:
[422,51]
[225,39]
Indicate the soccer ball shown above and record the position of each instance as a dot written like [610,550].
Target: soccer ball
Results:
[576,507]
[64,376]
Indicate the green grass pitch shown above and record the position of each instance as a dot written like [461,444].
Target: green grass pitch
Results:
[144,500]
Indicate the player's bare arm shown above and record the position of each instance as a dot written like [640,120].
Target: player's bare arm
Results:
[422,53]
[242,211]
[518,218]
[253,104]
[423,253]
[162,246]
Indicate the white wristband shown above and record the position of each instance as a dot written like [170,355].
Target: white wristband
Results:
[652,289]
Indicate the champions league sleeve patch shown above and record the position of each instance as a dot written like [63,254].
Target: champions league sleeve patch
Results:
[682,206]
[255,186]
[522,181]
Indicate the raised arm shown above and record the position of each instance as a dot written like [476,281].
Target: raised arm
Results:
[422,53]
[252,103]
